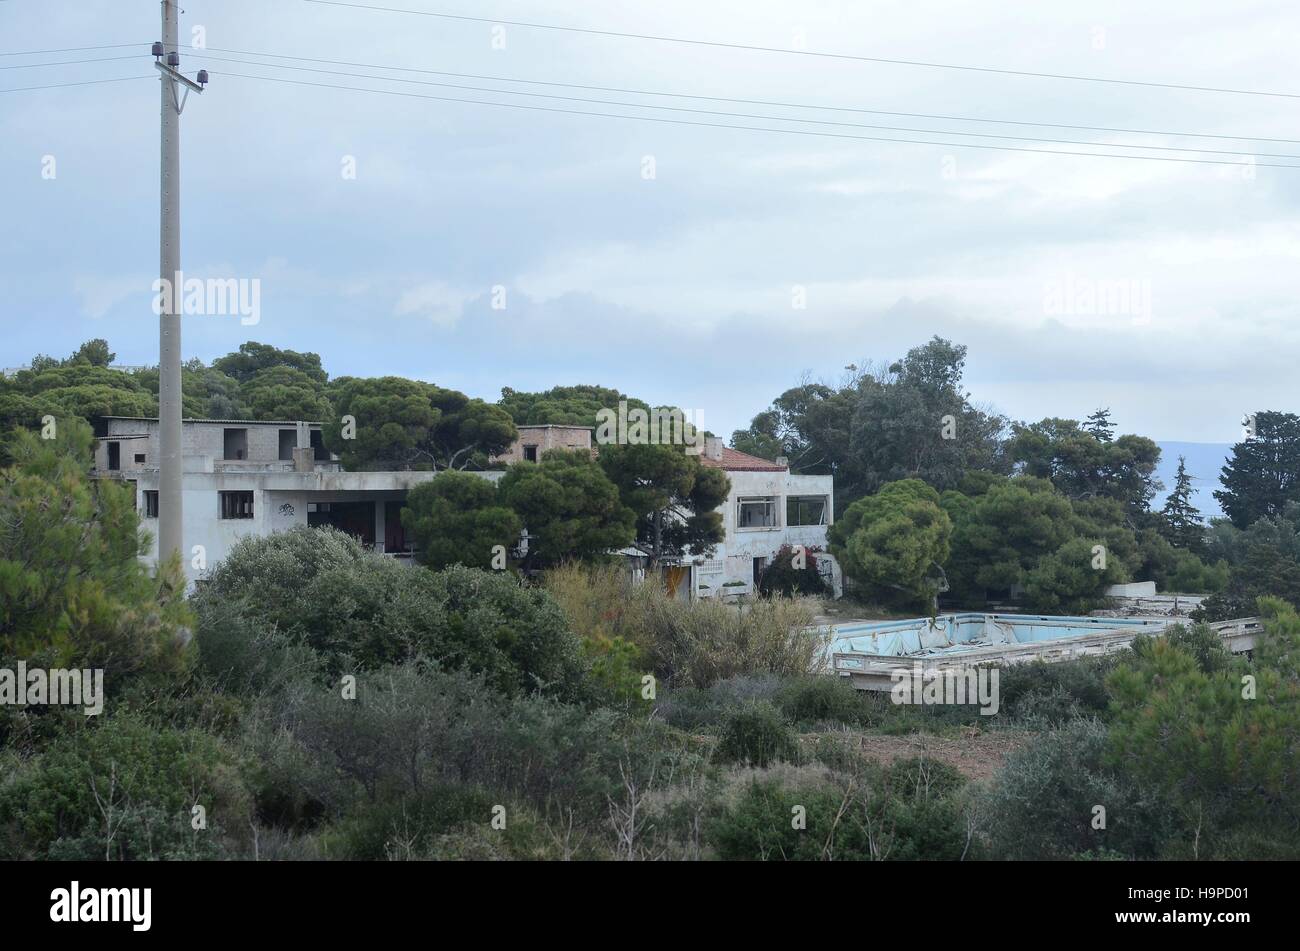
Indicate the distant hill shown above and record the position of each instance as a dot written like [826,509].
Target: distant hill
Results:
[1204,462]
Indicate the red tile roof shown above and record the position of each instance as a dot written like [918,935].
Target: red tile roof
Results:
[740,462]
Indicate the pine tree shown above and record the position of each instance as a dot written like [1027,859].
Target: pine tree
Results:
[1099,426]
[1182,523]
[1263,474]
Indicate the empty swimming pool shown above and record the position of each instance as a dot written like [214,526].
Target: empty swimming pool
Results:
[958,633]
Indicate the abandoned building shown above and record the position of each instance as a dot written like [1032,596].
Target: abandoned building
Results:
[247,477]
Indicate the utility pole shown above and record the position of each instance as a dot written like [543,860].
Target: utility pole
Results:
[167,54]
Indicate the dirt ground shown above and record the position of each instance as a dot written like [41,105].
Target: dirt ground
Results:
[976,754]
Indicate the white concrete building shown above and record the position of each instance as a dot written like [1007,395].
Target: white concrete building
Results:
[248,477]
[769,507]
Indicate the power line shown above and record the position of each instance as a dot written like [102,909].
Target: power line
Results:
[70,62]
[88,82]
[765,118]
[803,132]
[815,53]
[72,49]
[754,102]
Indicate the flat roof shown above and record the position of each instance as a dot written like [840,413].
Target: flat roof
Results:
[242,422]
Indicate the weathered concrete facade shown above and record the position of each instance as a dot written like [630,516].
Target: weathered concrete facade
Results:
[769,507]
[535,440]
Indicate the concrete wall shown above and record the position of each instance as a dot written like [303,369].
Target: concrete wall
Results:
[735,555]
[544,438]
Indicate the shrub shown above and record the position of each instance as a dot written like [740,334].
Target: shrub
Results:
[758,735]
[355,607]
[819,698]
[689,643]
[1041,803]
[910,810]
[689,708]
[123,789]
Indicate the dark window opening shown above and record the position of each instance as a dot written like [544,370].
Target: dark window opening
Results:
[319,452]
[288,443]
[355,518]
[394,530]
[235,443]
[139,458]
[530,453]
[114,456]
[150,503]
[236,504]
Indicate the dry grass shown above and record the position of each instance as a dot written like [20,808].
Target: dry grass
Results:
[691,643]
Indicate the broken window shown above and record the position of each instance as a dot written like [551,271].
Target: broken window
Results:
[236,444]
[288,443]
[530,453]
[114,456]
[150,503]
[236,504]
[756,513]
[805,510]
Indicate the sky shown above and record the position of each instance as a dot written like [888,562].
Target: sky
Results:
[480,246]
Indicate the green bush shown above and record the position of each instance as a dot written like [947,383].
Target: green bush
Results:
[819,698]
[358,608]
[756,734]
[909,811]
[1041,804]
[123,789]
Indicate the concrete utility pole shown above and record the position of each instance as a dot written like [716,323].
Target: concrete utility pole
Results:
[169,265]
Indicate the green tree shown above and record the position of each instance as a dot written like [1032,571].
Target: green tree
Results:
[94,352]
[413,424]
[673,497]
[1083,466]
[912,420]
[1074,578]
[563,405]
[1263,474]
[458,519]
[1099,425]
[896,542]
[1223,756]
[1180,519]
[285,393]
[72,586]
[253,357]
[569,506]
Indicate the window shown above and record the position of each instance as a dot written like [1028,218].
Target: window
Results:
[805,510]
[756,513]
[530,453]
[235,442]
[150,503]
[288,443]
[139,458]
[114,456]
[318,450]
[236,504]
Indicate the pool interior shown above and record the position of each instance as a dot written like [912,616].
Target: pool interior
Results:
[957,633]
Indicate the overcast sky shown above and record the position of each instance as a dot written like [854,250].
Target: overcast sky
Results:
[680,288]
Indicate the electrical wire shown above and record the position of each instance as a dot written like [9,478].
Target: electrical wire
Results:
[802,132]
